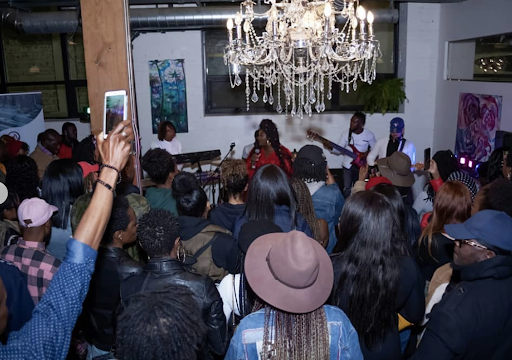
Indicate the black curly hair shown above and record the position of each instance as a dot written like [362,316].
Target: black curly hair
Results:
[234,176]
[157,231]
[22,178]
[158,163]
[191,199]
[119,219]
[84,150]
[165,324]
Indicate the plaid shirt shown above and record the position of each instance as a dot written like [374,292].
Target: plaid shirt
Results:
[35,263]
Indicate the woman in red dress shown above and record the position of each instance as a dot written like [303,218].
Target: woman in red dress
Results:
[268,150]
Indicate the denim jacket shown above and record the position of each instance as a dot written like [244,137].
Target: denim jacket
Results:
[248,338]
[328,202]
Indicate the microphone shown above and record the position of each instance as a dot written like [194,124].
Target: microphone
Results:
[253,163]
[231,146]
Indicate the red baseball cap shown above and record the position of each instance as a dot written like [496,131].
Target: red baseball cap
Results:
[88,168]
[376,181]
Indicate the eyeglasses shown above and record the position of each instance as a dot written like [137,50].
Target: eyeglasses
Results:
[474,244]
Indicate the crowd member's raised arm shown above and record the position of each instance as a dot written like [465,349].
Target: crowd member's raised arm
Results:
[114,152]
[48,334]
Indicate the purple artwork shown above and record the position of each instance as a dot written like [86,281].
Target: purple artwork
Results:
[477,123]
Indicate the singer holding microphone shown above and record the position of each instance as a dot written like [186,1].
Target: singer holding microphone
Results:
[268,150]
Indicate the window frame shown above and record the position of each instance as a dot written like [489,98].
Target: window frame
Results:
[69,84]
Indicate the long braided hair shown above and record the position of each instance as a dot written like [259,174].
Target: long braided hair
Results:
[270,129]
[305,206]
[294,336]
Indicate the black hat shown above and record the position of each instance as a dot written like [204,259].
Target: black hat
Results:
[313,153]
[252,230]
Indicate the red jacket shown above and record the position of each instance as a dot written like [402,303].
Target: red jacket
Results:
[271,159]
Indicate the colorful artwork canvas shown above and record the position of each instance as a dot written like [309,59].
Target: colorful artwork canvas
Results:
[168,93]
[477,123]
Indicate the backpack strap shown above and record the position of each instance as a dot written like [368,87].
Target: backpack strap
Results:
[190,260]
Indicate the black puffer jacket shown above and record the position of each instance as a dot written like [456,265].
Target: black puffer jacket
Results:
[112,266]
[161,272]
[473,321]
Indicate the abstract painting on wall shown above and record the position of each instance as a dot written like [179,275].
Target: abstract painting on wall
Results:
[477,123]
[168,93]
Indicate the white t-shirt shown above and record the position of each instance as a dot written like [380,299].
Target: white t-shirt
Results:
[362,142]
[247,151]
[173,147]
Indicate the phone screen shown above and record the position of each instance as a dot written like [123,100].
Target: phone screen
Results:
[114,111]
[426,158]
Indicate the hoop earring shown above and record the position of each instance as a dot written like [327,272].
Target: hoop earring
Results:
[268,142]
[182,255]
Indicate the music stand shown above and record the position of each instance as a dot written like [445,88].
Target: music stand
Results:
[197,157]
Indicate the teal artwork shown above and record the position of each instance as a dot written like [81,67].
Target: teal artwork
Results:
[168,93]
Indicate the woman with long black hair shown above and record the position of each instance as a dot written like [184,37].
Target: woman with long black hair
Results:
[271,197]
[62,184]
[268,150]
[367,273]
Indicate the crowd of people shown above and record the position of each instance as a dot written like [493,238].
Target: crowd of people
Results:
[287,266]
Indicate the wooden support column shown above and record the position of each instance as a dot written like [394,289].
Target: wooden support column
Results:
[106,33]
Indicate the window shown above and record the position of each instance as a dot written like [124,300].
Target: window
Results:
[51,63]
[483,59]
[220,98]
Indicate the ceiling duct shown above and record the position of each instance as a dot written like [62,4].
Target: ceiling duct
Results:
[152,19]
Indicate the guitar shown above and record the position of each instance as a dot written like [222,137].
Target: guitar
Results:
[356,155]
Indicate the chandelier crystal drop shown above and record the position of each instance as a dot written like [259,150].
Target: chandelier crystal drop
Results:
[300,52]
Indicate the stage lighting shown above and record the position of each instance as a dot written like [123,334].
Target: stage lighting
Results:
[462,160]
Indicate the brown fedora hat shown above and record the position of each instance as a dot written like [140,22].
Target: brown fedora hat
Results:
[397,168]
[289,271]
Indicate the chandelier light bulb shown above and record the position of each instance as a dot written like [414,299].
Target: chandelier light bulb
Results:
[369,17]
[238,19]
[273,13]
[229,24]
[327,10]
[246,26]
[361,13]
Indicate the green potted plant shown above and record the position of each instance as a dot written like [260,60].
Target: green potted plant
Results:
[383,95]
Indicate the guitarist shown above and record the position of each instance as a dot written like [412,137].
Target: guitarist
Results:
[363,140]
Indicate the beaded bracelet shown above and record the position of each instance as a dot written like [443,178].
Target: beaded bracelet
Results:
[99,181]
[113,168]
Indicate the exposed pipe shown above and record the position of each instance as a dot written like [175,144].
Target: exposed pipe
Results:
[154,19]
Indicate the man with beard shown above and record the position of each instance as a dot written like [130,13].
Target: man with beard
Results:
[473,320]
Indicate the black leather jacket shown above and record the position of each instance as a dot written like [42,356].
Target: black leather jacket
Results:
[160,272]
[112,266]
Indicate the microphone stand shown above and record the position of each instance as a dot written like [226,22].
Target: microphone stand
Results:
[217,170]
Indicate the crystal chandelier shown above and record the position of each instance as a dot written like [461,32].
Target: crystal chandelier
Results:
[299,50]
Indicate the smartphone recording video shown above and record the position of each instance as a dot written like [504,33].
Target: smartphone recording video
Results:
[426,159]
[115,110]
